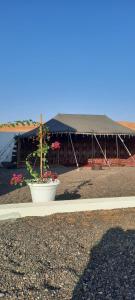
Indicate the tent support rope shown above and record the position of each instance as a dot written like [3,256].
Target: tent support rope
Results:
[73,151]
[129,153]
[101,150]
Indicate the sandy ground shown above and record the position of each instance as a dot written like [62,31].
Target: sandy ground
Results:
[78,256]
[86,183]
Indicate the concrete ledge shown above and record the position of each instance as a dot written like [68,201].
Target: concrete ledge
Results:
[13,211]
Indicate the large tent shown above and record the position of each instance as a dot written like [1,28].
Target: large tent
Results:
[85,139]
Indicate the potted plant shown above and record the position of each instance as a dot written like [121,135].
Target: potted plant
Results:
[43,184]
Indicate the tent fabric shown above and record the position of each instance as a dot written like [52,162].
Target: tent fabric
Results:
[7,143]
[83,124]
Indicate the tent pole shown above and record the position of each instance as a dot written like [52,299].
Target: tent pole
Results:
[101,150]
[41,147]
[105,147]
[18,151]
[92,149]
[73,151]
[117,146]
[129,153]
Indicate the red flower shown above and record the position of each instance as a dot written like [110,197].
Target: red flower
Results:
[17,179]
[55,146]
[49,175]
[54,176]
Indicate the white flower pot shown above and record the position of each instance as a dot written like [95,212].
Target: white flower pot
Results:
[43,192]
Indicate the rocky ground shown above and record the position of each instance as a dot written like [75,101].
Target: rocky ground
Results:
[76,256]
[86,183]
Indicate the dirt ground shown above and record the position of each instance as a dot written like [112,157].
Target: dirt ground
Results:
[76,256]
[86,183]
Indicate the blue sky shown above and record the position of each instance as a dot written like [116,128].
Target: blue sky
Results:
[67,56]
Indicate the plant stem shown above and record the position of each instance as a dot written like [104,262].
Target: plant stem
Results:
[41,147]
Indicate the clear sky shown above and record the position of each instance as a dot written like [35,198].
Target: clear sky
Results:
[68,56]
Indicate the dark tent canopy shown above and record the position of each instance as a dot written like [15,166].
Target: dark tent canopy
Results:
[83,124]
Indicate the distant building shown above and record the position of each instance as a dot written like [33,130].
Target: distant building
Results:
[17,128]
[130,125]
[7,141]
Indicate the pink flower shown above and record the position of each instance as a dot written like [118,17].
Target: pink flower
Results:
[55,145]
[17,179]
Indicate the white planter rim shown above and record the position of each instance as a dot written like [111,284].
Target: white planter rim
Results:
[51,183]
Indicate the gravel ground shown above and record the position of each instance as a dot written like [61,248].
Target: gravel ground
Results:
[114,181]
[74,256]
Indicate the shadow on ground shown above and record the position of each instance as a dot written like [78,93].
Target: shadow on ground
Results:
[68,195]
[72,195]
[110,273]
